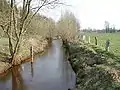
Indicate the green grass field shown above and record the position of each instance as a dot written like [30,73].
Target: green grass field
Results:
[4,45]
[102,37]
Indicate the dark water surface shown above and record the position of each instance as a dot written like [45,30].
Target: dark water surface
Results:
[48,72]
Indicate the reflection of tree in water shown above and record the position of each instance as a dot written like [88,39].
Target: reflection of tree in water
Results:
[32,72]
[17,80]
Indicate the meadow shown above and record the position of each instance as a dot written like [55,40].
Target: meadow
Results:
[102,37]
[4,45]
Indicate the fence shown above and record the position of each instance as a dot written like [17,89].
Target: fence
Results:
[88,40]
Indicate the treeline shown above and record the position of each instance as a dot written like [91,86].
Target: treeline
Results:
[20,22]
[108,29]
[100,30]
[40,24]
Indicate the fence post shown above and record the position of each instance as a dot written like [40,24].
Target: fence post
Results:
[84,37]
[89,39]
[107,45]
[95,40]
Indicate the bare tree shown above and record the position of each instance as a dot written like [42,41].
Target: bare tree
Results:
[68,26]
[18,20]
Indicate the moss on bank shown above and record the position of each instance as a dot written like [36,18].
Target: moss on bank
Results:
[95,69]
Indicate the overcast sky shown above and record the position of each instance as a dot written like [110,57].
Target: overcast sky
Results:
[91,13]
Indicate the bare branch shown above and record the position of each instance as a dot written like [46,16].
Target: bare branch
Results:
[27,9]
[2,27]
[34,15]
[39,8]
[45,3]
[14,23]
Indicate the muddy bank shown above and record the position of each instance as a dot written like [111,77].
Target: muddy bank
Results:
[4,66]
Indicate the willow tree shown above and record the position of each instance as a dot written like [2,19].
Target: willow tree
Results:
[68,25]
[17,18]
[41,25]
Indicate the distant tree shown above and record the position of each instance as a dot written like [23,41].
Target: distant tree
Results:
[41,25]
[113,29]
[107,26]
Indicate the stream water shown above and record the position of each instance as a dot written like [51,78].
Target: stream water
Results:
[48,72]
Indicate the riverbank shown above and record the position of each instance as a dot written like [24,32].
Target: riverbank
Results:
[39,46]
[95,68]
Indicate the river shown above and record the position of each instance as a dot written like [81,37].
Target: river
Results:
[48,72]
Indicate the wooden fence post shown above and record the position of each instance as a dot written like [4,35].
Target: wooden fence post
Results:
[84,37]
[95,40]
[107,46]
[89,39]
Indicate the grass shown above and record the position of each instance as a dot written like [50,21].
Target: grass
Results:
[102,37]
[4,45]
[4,66]
[38,43]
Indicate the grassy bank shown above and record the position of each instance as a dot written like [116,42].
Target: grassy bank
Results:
[39,45]
[3,47]
[102,37]
[95,68]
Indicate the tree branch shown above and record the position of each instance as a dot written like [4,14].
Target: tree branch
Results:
[45,3]
[14,23]
[27,9]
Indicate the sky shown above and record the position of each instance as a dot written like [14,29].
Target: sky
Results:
[90,13]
